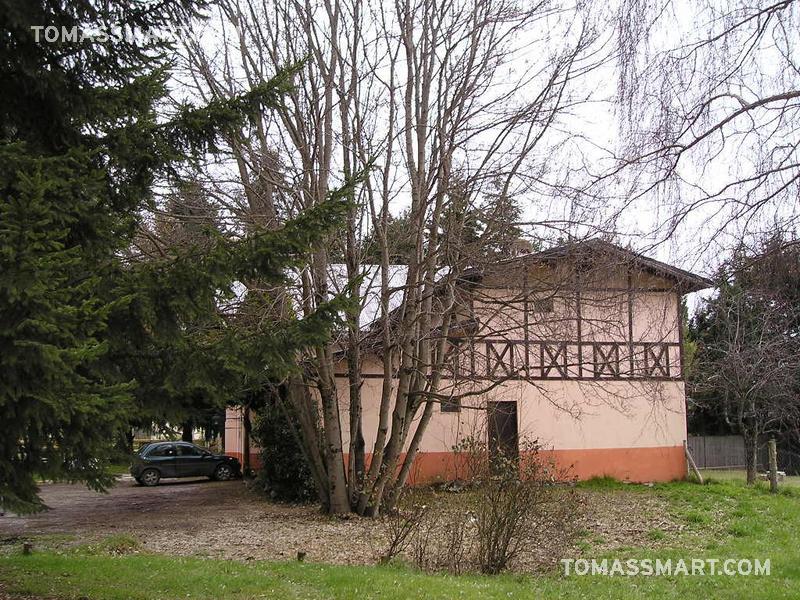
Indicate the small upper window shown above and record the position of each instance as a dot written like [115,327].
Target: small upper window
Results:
[451,405]
[540,305]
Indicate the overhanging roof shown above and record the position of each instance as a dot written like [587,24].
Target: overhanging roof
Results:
[685,281]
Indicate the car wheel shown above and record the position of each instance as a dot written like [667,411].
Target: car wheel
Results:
[150,477]
[138,480]
[223,473]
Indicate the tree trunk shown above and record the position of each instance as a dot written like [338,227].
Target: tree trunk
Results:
[356,459]
[188,428]
[129,438]
[773,466]
[751,455]
[306,410]
[411,454]
[339,503]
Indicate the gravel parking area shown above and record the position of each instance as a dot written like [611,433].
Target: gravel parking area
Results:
[225,519]
[195,517]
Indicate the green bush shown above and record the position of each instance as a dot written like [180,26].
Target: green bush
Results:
[284,474]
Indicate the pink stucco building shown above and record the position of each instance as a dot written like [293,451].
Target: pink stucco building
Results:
[578,347]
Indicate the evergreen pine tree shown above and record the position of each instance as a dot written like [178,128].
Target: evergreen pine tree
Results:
[81,144]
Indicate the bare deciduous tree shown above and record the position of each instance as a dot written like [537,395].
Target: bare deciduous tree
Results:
[452,107]
[710,96]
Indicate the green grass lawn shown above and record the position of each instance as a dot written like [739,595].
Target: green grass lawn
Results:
[121,468]
[720,520]
[740,475]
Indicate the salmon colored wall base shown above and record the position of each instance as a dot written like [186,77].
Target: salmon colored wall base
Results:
[255,459]
[625,464]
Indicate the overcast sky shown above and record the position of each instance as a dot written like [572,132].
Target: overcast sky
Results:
[586,136]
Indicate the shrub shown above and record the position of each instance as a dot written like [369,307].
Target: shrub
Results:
[515,503]
[400,528]
[470,458]
[284,474]
[508,505]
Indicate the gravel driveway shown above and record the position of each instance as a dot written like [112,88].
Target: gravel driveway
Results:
[197,517]
[225,519]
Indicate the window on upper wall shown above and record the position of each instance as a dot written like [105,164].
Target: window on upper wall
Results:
[540,305]
[451,405]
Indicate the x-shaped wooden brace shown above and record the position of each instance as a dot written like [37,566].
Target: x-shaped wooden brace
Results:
[656,362]
[606,363]
[499,356]
[556,359]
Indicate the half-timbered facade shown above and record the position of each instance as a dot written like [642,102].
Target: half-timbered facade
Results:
[578,347]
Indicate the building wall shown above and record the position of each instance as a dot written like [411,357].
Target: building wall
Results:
[630,431]
[628,423]
[234,438]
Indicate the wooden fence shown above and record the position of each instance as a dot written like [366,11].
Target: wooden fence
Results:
[717,451]
[727,452]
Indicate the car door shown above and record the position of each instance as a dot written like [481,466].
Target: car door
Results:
[163,458]
[192,461]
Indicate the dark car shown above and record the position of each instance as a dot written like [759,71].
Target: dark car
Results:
[181,459]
